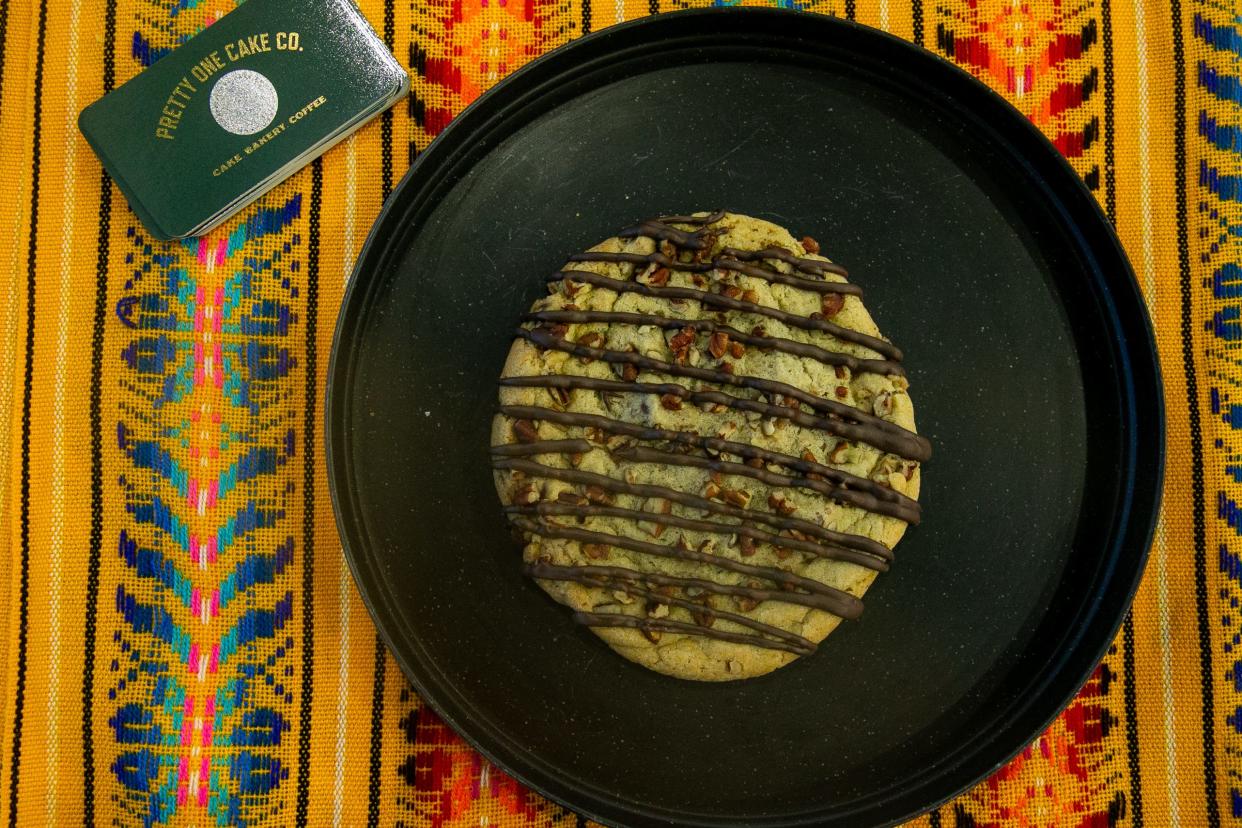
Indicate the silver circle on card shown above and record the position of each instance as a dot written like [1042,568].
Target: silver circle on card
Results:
[243,102]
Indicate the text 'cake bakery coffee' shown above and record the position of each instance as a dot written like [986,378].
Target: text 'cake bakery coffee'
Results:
[706,445]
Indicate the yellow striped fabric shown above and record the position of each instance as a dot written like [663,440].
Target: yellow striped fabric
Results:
[183,643]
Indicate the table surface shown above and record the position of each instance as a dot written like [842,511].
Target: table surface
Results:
[184,643]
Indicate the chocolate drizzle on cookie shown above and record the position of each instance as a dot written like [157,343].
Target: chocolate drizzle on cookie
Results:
[908,508]
[857,432]
[781,522]
[814,549]
[725,516]
[763,342]
[880,346]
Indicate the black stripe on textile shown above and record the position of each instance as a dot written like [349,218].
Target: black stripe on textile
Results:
[416,108]
[386,118]
[1181,170]
[653,6]
[386,154]
[23,596]
[377,734]
[96,534]
[850,9]
[1131,708]
[95,552]
[933,819]
[1129,684]
[308,490]
[377,691]
[4,30]
[916,15]
[1110,171]
[586,16]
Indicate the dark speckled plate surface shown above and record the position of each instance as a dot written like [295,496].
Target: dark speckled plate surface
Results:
[1033,373]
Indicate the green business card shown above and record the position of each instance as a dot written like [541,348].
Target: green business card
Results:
[238,108]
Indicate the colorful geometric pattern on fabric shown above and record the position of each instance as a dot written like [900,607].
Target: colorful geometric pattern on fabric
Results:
[183,642]
[1211,266]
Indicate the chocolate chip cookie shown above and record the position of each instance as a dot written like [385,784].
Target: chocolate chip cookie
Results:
[706,445]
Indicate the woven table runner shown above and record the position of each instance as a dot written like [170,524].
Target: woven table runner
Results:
[183,643]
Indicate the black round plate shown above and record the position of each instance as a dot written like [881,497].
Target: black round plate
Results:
[1033,373]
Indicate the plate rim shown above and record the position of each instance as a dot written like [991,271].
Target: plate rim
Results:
[1131,349]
